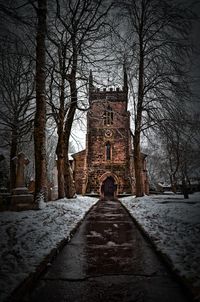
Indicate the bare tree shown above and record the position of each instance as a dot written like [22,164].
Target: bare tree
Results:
[78,25]
[16,94]
[40,114]
[157,50]
[179,144]
[173,153]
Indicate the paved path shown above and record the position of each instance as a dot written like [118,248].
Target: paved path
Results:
[108,260]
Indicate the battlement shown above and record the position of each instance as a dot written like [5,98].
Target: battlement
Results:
[112,94]
[111,89]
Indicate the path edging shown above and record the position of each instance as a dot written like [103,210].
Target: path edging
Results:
[165,258]
[29,282]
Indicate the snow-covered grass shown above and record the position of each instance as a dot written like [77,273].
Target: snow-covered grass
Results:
[173,223]
[28,237]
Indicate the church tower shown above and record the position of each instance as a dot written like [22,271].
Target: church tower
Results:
[108,141]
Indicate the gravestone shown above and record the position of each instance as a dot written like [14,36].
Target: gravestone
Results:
[31,186]
[54,187]
[21,198]
[4,194]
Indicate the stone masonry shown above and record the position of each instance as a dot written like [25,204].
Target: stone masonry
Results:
[106,165]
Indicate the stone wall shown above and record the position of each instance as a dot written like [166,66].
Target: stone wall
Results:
[108,150]
[79,171]
[116,133]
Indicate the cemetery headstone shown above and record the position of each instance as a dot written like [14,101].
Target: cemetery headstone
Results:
[21,198]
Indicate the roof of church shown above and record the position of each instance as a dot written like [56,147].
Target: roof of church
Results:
[78,153]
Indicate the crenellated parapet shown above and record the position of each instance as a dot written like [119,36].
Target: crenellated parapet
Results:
[111,94]
[110,89]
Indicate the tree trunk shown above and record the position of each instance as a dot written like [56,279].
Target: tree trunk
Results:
[137,165]
[40,115]
[13,153]
[60,150]
[69,183]
[61,180]
[184,188]
[173,181]
[174,187]
[138,123]
[60,164]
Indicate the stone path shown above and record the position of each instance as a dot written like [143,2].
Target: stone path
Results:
[108,260]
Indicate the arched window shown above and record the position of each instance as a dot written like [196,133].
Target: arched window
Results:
[108,151]
[108,116]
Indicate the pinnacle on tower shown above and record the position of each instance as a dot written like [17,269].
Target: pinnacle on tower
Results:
[91,86]
[125,79]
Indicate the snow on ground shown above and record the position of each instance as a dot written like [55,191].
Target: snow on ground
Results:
[28,237]
[173,223]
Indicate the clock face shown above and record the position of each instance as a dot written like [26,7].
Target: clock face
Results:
[108,133]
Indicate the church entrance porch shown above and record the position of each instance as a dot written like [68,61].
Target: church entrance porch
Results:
[109,188]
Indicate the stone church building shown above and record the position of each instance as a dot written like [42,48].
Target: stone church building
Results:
[106,166]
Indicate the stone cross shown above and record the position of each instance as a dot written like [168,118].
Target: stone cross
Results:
[21,161]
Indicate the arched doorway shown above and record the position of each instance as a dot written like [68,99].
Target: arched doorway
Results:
[108,187]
